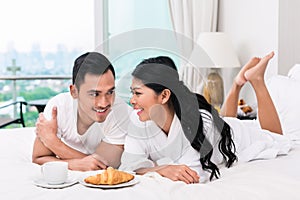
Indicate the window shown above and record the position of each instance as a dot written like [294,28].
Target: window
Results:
[44,37]
[41,38]
[129,26]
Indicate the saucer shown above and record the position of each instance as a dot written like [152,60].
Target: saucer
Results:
[44,184]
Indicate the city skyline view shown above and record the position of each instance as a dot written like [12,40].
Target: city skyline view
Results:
[48,23]
[37,62]
[44,37]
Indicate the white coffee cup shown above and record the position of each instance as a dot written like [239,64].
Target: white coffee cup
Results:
[55,172]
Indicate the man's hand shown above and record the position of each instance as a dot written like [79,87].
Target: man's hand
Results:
[179,173]
[46,129]
[87,163]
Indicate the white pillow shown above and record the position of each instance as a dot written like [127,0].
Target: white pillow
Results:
[286,97]
[294,72]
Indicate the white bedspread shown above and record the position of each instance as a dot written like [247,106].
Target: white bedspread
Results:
[261,179]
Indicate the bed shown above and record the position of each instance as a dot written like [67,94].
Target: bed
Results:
[274,179]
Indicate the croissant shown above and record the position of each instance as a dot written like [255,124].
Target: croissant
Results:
[110,176]
[246,109]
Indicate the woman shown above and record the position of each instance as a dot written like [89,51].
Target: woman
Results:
[183,137]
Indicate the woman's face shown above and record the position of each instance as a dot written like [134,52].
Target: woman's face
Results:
[147,103]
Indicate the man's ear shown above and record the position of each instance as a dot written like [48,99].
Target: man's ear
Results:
[165,95]
[74,91]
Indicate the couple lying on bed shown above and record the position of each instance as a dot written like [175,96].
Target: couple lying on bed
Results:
[171,131]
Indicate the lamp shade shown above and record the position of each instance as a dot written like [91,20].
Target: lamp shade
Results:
[219,49]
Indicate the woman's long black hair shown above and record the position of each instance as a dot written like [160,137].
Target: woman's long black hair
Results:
[155,73]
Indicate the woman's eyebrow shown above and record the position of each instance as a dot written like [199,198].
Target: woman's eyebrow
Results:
[135,87]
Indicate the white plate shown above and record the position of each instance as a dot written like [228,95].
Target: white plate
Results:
[44,184]
[130,183]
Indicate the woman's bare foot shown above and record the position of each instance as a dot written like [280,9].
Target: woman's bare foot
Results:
[240,79]
[257,72]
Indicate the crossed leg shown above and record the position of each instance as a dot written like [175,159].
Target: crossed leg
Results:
[254,72]
[229,107]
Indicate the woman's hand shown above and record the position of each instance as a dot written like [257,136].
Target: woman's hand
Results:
[179,173]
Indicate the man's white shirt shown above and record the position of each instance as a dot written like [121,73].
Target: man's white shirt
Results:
[113,130]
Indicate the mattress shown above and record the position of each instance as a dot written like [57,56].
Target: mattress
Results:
[277,178]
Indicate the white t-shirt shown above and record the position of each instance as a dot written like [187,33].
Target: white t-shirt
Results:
[146,144]
[113,130]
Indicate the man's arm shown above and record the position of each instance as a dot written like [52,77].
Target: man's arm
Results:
[49,147]
[46,131]
[42,154]
[109,154]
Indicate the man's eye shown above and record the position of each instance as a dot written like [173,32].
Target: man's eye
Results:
[94,94]
[110,92]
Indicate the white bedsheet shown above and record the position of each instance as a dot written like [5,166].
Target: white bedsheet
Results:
[261,179]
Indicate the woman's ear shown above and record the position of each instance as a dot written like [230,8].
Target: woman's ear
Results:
[165,95]
[74,91]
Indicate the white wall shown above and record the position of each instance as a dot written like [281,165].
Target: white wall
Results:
[253,28]
[289,40]
[257,27]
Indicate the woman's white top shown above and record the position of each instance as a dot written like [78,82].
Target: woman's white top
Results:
[146,145]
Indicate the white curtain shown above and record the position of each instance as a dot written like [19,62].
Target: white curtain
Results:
[190,18]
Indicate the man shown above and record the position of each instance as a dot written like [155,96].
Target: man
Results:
[87,126]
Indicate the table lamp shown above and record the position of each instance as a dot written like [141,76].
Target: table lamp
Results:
[220,51]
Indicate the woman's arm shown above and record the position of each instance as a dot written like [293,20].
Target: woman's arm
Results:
[173,172]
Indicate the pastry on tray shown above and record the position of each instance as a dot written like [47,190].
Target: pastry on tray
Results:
[110,176]
[244,107]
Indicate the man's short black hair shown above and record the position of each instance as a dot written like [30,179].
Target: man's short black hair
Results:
[90,63]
